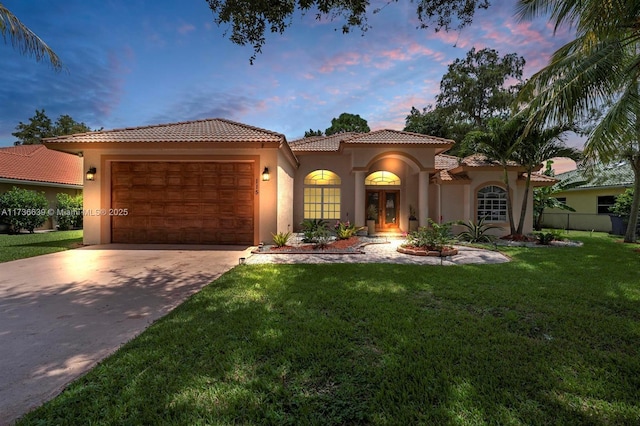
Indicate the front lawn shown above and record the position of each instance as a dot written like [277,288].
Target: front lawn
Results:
[550,338]
[19,246]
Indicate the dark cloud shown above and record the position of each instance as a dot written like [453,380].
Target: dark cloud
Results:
[210,104]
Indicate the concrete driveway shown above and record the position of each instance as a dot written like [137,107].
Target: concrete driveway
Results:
[62,313]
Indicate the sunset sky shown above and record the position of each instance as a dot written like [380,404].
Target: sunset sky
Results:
[142,62]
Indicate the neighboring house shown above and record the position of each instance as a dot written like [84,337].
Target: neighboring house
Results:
[37,168]
[220,182]
[591,199]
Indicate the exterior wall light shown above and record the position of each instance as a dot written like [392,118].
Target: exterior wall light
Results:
[265,174]
[91,173]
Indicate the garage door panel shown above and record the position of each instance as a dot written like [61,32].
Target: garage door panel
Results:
[244,211]
[244,182]
[180,202]
[244,167]
[211,210]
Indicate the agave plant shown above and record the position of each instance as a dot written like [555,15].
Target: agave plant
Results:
[477,232]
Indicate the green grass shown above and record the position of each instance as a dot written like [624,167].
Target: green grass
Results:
[20,246]
[550,338]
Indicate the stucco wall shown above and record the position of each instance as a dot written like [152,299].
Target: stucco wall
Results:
[586,217]
[337,163]
[285,176]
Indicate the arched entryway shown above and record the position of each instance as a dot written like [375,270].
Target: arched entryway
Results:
[383,198]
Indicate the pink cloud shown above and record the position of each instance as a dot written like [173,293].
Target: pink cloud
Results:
[343,60]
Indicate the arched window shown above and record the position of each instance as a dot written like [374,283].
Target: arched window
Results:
[492,204]
[322,195]
[382,178]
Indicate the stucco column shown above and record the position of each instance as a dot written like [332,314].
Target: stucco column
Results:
[468,202]
[359,193]
[423,198]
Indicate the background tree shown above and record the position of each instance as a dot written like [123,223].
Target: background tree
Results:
[348,123]
[25,40]
[429,121]
[598,68]
[250,20]
[311,133]
[40,127]
[475,88]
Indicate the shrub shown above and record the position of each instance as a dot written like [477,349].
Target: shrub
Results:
[545,238]
[622,206]
[68,211]
[312,229]
[281,238]
[24,209]
[477,232]
[345,230]
[435,236]
[322,237]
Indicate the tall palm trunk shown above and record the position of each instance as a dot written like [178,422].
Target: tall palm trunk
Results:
[512,226]
[525,201]
[630,235]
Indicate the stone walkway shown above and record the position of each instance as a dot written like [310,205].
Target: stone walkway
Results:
[385,253]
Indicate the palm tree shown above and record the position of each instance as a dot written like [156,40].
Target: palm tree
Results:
[535,147]
[498,144]
[599,69]
[25,40]
[543,197]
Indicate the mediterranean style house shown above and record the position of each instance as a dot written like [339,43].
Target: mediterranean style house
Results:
[216,181]
[36,168]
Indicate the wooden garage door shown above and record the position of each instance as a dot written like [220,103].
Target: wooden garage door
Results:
[182,203]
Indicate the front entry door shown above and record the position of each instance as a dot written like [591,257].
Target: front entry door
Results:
[387,204]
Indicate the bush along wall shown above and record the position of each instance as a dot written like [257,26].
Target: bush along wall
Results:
[23,209]
[68,211]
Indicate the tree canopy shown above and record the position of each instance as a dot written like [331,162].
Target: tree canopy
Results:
[473,90]
[25,40]
[476,88]
[40,126]
[249,21]
[310,133]
[347,123]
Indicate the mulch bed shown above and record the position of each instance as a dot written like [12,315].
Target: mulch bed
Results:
[348,246]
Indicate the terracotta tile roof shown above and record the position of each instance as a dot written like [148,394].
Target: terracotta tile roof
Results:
[39,164]
[480,160]
[538,179]
[446,162]
[387,137]
[396,137]
[320,143]
[445,176]
[216,130]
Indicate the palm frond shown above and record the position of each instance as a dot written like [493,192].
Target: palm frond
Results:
[25,40]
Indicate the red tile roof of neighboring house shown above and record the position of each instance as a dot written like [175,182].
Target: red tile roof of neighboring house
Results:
[38,164]
[215,129]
